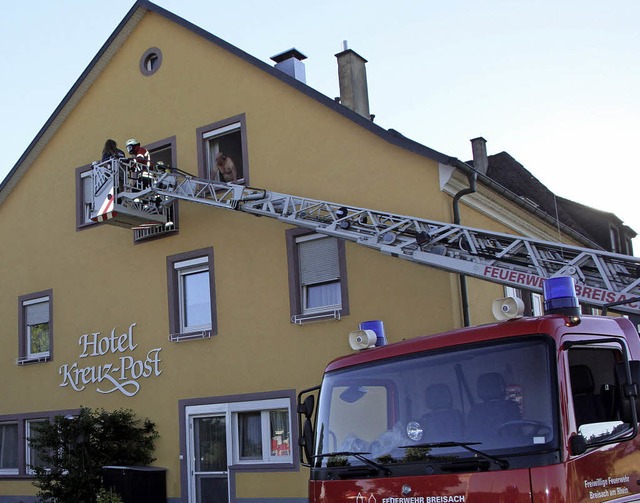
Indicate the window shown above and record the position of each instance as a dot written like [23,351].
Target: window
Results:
[533,302]
[16,456]
[264,434]
[8,448]
[84,197]
[150,61]
[317,276]
[600,413]
[191,291]
[32,458]
[35,329]
[222,151]
[163,151]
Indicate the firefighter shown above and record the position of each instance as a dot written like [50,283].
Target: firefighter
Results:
[139,154]
[142,162]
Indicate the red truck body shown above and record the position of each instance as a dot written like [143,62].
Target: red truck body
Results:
[566,381]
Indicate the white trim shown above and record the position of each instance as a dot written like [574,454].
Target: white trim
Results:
[221,131]
[39,300]
[497,211]
[183,264]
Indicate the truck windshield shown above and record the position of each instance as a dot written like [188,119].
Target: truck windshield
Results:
[497,397]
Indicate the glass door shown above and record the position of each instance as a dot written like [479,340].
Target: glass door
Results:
[209,478]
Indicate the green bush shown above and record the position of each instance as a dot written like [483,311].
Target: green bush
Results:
[109,496]
[73,451]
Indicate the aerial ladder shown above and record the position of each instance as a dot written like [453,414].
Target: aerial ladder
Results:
[137,196]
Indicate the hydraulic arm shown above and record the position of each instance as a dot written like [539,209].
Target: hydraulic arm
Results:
[132,195]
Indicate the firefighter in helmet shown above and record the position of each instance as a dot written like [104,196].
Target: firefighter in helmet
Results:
[140,167]
[138,154]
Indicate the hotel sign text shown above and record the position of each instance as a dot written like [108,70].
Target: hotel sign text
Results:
[123,376]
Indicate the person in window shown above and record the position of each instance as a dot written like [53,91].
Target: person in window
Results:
[111,151]
[226,168]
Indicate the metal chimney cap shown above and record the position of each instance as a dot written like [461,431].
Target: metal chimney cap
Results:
[288,54]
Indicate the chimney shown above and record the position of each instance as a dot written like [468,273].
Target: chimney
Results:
[480,160]
[352,77]
[290,62]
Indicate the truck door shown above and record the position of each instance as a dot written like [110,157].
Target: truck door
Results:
[604,472]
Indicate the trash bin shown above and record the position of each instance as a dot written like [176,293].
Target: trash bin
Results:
[135,484]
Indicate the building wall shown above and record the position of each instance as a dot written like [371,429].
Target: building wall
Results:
[103,282]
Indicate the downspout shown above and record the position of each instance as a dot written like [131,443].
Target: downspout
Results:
[480,164]
[464,296]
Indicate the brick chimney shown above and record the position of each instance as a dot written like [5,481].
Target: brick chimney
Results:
[352,76]
[480,160]
[290,62]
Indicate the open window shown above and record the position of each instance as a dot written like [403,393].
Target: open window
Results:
[222,151]
[600,410]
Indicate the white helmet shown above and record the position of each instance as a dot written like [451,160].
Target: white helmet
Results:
[131,142]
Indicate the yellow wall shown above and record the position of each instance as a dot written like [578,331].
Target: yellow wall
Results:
[101,280]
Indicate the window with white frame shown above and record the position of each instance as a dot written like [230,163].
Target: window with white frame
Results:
[222,151]
[35,329]
[317,272]
[32,457]
[8,448]
[259,431]
[263,436]
[191,294]
[533,302]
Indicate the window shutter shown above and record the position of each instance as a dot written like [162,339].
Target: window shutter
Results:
[38,313]
[318,261]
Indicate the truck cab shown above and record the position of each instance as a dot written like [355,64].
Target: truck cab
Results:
[527,410]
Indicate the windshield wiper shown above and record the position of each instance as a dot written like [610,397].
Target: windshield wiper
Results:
[503,464]
[359,456]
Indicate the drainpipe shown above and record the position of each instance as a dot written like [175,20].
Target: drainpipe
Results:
[480,162]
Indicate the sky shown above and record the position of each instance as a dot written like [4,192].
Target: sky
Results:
[555,83]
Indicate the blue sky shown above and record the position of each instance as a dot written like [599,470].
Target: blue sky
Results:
[554,83]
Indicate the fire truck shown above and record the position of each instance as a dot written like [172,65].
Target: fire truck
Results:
[541,409]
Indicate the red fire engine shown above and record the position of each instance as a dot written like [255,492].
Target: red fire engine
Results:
[535,410]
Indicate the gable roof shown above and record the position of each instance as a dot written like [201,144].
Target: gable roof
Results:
[588,221]
[118,38]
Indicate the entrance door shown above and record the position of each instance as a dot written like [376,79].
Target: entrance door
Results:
[209,477]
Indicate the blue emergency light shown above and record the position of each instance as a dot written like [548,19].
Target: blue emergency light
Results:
[560,296]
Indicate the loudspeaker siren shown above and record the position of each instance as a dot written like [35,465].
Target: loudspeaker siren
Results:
[362,339]
[507,308]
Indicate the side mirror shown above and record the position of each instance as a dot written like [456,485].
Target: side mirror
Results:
[305,410]
[577,445]
[306,407]
[306,442]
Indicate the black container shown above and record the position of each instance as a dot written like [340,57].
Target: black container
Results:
[136,484]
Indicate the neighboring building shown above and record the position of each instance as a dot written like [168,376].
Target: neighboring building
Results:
[206,328]
[597,229]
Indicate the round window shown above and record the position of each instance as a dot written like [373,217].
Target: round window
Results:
[150,61]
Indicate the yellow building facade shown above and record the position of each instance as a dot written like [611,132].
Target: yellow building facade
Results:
[208,329]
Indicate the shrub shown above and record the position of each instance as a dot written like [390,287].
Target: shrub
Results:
[73,451]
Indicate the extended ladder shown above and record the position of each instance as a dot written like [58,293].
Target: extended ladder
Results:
[135,196]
